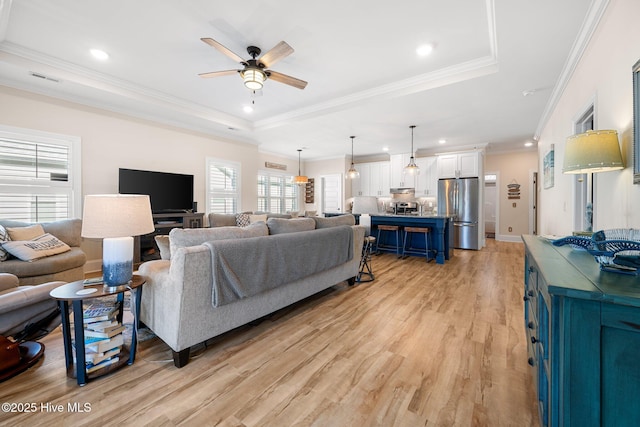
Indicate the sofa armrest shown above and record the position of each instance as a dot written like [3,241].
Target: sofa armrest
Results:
[25,296]
[8,281]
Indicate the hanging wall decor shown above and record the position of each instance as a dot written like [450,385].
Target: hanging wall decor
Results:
[547,168]
[513,190]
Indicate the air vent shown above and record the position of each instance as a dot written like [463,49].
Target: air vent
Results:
[43,77]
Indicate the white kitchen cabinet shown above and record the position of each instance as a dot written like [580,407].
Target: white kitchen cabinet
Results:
[373,180]
[427,182]
[398,177]
[459,165]
[379,179]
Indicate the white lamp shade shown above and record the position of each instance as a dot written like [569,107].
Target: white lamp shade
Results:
[591,152]
[116,215]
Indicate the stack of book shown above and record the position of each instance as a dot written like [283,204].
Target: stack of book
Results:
[103,338]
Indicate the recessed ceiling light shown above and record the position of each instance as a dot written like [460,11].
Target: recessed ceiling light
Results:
[528,144]
[100,55]
[442,141]
[247,109]
[385,148]
[424,49]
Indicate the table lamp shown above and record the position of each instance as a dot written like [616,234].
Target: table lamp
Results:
[116,218]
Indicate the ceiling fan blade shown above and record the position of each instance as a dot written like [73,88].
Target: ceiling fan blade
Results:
[211,42]
[288,80]
[280,51]
[218,73]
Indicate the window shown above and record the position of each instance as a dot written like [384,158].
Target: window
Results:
[223,182]
[277,193]
[39,175]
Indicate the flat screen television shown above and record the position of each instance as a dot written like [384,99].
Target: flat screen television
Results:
[168,192]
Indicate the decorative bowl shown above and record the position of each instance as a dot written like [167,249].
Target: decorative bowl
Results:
[616,250]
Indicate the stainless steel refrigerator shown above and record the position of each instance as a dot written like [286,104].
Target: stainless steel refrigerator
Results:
[460,198]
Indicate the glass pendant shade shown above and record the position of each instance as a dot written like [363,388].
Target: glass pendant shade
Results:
[592,152]
[352,173]
[412,168]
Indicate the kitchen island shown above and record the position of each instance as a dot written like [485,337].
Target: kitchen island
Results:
[440,238]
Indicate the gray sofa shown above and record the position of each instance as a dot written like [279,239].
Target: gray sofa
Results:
[65,267]
[179,302]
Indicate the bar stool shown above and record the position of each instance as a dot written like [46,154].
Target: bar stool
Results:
[398,242]
[365,266]
[408,235]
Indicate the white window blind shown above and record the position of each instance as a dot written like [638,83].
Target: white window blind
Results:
[223,183]
[39,178]
[277,193]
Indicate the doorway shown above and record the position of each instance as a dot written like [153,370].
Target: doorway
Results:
[490,204]
[331,193]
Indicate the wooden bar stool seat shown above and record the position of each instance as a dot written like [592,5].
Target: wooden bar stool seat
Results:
[387,246]
[409,232]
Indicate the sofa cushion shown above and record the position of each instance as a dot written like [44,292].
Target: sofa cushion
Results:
[71,259]
[277,215]
[221,220]
[182,237]
[40,247]
[333,221]
[293,225]
[4,237]
[67,230]
[162,241]
[25,233]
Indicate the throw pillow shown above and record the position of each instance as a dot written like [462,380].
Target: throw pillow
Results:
[4,237]
[40,247]
[25,233]
[163,244]
[243,219]
[257,218]
[346,219]
[293,225]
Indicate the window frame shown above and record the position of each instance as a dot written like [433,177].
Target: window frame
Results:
[287,179]
[73,185]
[236,194]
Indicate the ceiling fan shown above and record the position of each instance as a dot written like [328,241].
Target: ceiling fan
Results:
[255,70]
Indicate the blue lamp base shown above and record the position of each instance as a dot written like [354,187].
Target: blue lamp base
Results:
[117,262]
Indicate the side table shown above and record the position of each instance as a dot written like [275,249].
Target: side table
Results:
[76,293]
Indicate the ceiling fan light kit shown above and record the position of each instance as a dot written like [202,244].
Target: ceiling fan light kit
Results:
[412,168]
[253,78]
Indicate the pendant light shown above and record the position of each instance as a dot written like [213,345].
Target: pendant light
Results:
[412,168]
[352,173]
[300,179]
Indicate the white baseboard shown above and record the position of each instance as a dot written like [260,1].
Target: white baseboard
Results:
[93,266]
[508,238]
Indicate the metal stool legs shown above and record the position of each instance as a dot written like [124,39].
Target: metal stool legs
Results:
[365,274]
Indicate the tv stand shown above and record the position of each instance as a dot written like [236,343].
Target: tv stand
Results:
[145,246]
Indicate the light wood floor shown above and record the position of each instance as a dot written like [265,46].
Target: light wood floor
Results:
[423,344]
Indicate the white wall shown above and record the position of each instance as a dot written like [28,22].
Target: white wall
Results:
[111,141]
[604,75]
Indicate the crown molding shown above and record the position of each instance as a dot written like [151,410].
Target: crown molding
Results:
[65,71]
[589,26]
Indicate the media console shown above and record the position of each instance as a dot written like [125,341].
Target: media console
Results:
[146,248]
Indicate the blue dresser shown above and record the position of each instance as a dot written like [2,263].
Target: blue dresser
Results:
[583,338]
